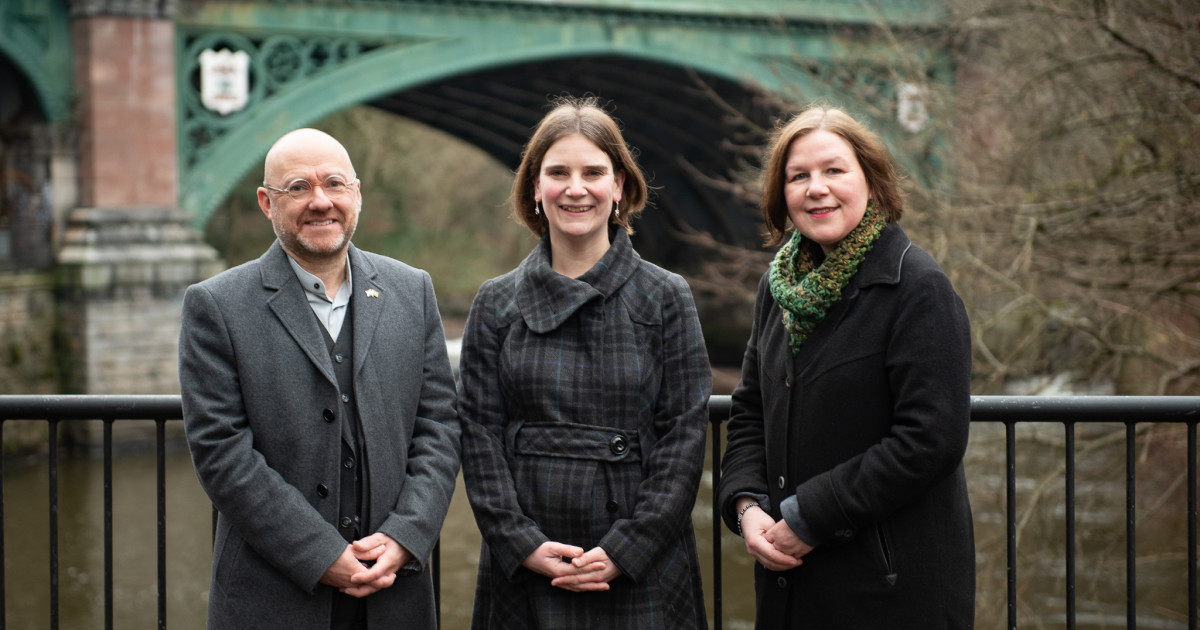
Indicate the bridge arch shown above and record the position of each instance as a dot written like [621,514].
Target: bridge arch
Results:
[485,104]
[373,79]
[484,71]
[35,37]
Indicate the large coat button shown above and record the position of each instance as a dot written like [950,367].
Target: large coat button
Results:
[611,506]
[322,490]
[328,415]
[618,445]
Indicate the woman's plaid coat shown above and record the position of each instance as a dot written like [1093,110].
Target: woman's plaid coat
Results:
[583,404]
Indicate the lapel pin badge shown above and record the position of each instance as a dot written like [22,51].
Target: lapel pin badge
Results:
[372,293]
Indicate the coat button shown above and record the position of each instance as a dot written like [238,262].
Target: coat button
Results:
[782,483]
[611,506]
[322,490]
[348,463]
[328,415]
[345,398]
[339,358]
[346,521]
[782,582]
[617,445]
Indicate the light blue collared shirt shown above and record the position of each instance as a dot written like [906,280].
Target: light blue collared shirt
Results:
[331,312]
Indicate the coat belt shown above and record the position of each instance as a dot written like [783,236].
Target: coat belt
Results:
[574,441]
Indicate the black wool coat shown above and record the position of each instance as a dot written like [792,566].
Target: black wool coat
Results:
[866,426]
[584,409]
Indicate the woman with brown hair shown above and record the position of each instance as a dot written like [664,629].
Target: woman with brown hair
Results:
[843,470]
[584,388]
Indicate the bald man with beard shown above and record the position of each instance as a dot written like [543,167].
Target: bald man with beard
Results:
[320,412]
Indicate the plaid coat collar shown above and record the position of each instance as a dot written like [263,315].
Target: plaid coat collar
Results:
[546,298]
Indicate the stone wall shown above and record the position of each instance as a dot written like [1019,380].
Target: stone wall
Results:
[122,274]
[29,341]
[133,344]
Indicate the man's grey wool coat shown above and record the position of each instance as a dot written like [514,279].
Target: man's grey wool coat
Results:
[584,406]
[258,386]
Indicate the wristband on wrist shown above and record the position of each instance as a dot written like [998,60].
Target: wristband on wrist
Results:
[742,513]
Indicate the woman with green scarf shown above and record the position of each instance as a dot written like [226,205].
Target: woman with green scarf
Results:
[844,466]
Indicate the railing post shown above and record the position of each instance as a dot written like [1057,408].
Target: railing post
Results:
[1130,524]
[716,510]
[108,525]
[1010,506]
[436,567]
[1193,565]
[161,447]
[1069,455]
[53,437]
[3,604]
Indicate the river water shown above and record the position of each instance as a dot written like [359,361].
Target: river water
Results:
[1100,545]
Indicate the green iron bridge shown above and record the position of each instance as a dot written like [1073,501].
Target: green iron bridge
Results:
[694,82]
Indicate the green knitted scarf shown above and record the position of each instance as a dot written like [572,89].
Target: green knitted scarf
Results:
[806,291]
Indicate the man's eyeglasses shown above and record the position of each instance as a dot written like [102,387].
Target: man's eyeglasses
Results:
[302,189]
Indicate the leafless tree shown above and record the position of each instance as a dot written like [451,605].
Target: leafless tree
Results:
[1078,194]
[1057,180]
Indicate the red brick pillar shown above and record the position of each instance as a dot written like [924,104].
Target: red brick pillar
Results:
[124,65]
[128,251]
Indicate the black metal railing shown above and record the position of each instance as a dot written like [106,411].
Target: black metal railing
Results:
[1009,411]
[1075,410]
[108,409]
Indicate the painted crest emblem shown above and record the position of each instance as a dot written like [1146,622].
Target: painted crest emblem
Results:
[224,80]
[910,110]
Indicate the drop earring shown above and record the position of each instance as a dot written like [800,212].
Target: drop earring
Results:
[617,208]
[537,208]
